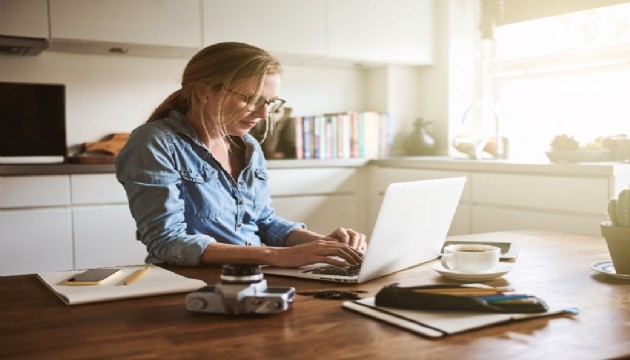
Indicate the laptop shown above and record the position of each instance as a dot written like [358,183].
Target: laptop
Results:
[410,229]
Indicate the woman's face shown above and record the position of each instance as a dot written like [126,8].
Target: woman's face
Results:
[239,120]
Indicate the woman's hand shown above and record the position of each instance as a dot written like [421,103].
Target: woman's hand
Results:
[353,238]
[323,250]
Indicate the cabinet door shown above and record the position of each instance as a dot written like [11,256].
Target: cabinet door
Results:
[34,241]
[380,178]
[491,218]
[278,26]
[321,214]
[151,22]
[291,182]
[105,236]
[547,193]
[25,18]
[34,191]
[97,189]
[394,31]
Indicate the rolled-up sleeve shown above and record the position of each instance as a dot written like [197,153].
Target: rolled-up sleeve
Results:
[275,229]
[153,185]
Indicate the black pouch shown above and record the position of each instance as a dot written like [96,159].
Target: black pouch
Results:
[407,298]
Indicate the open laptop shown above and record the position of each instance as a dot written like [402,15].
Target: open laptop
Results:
[410,229]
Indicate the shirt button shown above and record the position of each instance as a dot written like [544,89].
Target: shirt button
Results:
[240,202]
[241,182]
[238,226]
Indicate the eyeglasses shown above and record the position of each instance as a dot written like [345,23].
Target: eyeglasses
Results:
[273,105]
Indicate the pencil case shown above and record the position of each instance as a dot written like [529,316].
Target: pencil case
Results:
[409,298]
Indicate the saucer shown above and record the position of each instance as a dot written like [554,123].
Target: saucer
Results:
[500,270]
[607,267]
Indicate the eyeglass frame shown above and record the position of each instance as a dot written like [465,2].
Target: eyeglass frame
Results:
[270,102]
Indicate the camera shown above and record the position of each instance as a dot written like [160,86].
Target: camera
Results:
[242,290]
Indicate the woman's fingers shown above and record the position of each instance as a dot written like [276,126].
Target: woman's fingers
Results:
[351,237]
[334,248]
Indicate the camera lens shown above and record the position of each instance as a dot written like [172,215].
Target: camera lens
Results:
[241,274]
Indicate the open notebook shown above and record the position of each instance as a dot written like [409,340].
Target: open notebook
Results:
[156,281]
[410,229]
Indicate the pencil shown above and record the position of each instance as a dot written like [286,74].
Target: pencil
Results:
[136,275]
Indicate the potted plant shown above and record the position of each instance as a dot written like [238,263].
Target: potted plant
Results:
[617,232]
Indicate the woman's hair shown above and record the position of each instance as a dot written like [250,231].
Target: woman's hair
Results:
[217,67]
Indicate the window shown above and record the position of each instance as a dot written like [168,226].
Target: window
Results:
[566,74]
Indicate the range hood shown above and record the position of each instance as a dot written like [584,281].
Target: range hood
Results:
[13,45]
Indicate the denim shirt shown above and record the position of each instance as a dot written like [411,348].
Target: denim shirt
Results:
[182,199]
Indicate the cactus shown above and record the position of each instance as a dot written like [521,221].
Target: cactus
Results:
[619,209]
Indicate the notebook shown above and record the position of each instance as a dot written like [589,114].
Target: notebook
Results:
[156,281]
[435,324]
[410,229]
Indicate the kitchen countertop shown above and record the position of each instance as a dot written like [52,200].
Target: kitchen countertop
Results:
[507,166]
[424,162]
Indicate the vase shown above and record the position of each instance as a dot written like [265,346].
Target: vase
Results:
[419,142]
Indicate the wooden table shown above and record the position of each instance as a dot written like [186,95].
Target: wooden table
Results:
[35,324]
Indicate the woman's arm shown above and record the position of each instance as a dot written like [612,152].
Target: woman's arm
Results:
[352,238]
[308,248]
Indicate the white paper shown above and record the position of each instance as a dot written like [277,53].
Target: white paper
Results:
[156,281]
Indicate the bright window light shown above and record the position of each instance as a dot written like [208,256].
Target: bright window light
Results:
[567,74]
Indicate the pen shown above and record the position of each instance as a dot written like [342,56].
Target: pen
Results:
[136,275]
[505,297]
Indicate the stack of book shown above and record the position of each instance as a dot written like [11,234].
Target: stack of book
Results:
[343,135]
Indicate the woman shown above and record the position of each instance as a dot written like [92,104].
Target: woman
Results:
[196,179]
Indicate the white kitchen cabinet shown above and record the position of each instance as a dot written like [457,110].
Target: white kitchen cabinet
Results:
[321,213]
[291,182]
[381,177]
[35,240]
[97,189]
[35,224]
[394,31]
[556,203]
[104,230]
[553,193]
[34,191]
[295,27]
[513,196]
[487,218]
[24,18]
[372,31]
[105,235]
[142,27]
[323,198]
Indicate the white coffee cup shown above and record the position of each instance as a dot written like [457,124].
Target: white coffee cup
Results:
[471,258]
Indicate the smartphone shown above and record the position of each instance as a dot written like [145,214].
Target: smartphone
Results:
[91,277]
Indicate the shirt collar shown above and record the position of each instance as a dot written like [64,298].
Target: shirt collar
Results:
[180,124]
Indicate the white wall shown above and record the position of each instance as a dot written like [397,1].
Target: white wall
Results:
[107,94]
[448,87]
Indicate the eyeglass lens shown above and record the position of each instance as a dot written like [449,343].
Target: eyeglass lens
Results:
[273,105]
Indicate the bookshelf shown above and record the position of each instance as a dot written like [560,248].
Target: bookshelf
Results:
[347,135]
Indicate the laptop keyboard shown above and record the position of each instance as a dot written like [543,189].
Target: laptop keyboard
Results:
[352,270]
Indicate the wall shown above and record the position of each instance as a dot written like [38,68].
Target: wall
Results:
[447,88]
[107,94]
